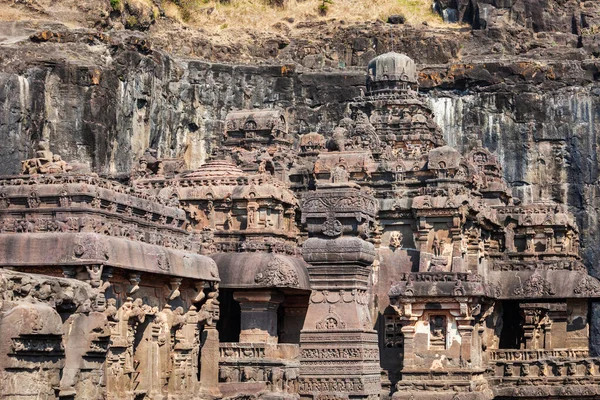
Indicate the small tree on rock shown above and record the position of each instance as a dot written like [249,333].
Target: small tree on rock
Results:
[324,6]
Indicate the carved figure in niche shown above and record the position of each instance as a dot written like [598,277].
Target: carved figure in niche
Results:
[178,322]
[589,368]
[543,369]
[252,207]
[478,182]
[480,158]
[331,323]
[436,248]
[33,200]
[249,374]
[275,377]
[549,241]
[250,125]
[210,309]
[530,243]
[226,374]
[111,315]
[228,221]
[437,332]
[568,242]
[339,174]
[95,272]
[396,240]
[139,310]
[461,173]
[464,246]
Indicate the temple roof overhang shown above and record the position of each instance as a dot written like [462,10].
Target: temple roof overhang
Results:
[75,249]
[255,270]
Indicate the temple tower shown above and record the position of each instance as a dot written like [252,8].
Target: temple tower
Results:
[340,358]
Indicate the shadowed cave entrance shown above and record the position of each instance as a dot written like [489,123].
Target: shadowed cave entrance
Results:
[511,335]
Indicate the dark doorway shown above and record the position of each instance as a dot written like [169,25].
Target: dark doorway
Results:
[230,317]
[511,336]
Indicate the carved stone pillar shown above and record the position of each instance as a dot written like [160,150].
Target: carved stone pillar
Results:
[533,317]
[340,355]
[465,330]
[209,363]
[209,353]
[408,331]
[259,315]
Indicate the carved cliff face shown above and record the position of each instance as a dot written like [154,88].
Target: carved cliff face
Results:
[402,236]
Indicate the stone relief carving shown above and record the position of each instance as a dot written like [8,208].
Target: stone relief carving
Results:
[588,286]
[332,227]
[396,240]
[535,286]
[437,335]
[333,297]
[332,321]
[278,273]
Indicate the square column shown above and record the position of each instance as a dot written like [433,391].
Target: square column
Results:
[259,315]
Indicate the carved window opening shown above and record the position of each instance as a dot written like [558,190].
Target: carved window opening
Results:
[511,333]
[438,329]
[393,331]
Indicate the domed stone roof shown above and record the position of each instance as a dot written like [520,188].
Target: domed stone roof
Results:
[392,67]
[216,169]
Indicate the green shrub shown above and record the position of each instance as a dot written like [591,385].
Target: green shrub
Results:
[324,6]
[116,5]
[131,22]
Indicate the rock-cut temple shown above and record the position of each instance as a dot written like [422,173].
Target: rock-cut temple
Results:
[373,262]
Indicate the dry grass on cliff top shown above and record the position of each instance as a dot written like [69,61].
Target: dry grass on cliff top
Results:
[214,16]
